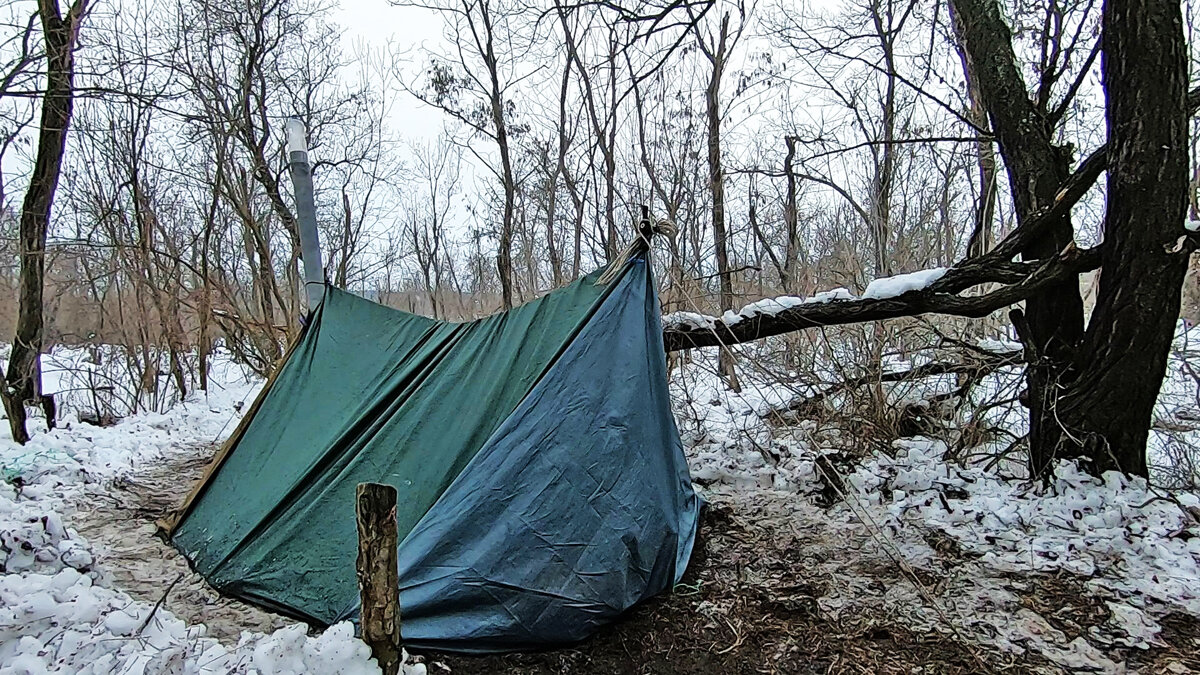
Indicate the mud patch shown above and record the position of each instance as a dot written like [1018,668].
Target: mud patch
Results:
[1066,603]
[118,521]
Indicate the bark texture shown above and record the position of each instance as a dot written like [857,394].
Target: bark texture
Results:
[378,575]
[1106,412]
[1036,166]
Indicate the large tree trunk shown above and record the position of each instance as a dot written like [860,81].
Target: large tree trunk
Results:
[1122,361]
[21,380]
[1053,318]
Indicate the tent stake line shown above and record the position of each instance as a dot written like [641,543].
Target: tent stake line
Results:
[378,578]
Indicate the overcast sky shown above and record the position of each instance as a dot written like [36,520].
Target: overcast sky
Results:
[378,22]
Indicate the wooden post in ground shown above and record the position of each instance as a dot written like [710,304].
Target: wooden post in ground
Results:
[378,576]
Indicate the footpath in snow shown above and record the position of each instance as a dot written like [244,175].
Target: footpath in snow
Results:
[59,610]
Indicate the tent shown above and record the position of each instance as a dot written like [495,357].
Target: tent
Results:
[542,487]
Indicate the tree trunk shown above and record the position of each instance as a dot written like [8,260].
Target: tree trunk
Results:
[21,378]
[1036,168]
[791,220]
[717,55]
[885,168]
[980,241]
[1123,358]
[551,218]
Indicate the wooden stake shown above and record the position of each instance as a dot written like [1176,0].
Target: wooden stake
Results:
[378,576]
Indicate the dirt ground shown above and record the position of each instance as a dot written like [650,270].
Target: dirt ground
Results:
[747,606]
[120,524]
[775,586]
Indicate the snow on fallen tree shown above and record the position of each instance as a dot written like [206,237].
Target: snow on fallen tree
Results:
[879,289]
[929,291]
[934,291]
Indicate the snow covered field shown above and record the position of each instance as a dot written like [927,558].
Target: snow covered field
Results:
[1134,550]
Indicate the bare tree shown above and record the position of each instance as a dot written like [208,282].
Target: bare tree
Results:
[437,172]
[717,48]
[480,34]
[1037,166]
[21,381]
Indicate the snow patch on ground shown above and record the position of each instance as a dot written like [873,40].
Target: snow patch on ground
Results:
[1135,548]
[1139,542]
[67,623]
[59,613]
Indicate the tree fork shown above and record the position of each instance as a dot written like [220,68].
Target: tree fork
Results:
[1037,166]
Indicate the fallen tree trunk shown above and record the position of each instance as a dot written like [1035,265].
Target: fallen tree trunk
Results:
[941,297]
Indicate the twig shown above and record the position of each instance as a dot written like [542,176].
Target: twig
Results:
[892,551]
[159,604]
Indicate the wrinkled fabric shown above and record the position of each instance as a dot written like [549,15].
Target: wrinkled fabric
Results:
[542,488]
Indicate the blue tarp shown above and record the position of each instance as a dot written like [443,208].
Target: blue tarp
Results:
[577,508]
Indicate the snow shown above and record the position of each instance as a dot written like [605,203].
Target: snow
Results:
[67,623]
[689,319]
[890,287]
[999,345]
[1191,225]
[885,287]
[764,307]
[1134,546]
[1118,530]
[59,612]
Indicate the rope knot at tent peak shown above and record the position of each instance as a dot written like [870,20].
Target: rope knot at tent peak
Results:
[641,243]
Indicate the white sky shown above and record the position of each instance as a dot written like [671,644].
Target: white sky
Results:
[379,23]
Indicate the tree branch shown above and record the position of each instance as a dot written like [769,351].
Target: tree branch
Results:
[680,335]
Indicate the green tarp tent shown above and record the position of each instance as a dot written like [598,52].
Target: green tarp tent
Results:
[542,488]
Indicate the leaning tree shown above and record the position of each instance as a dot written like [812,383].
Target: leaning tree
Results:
[21,381]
